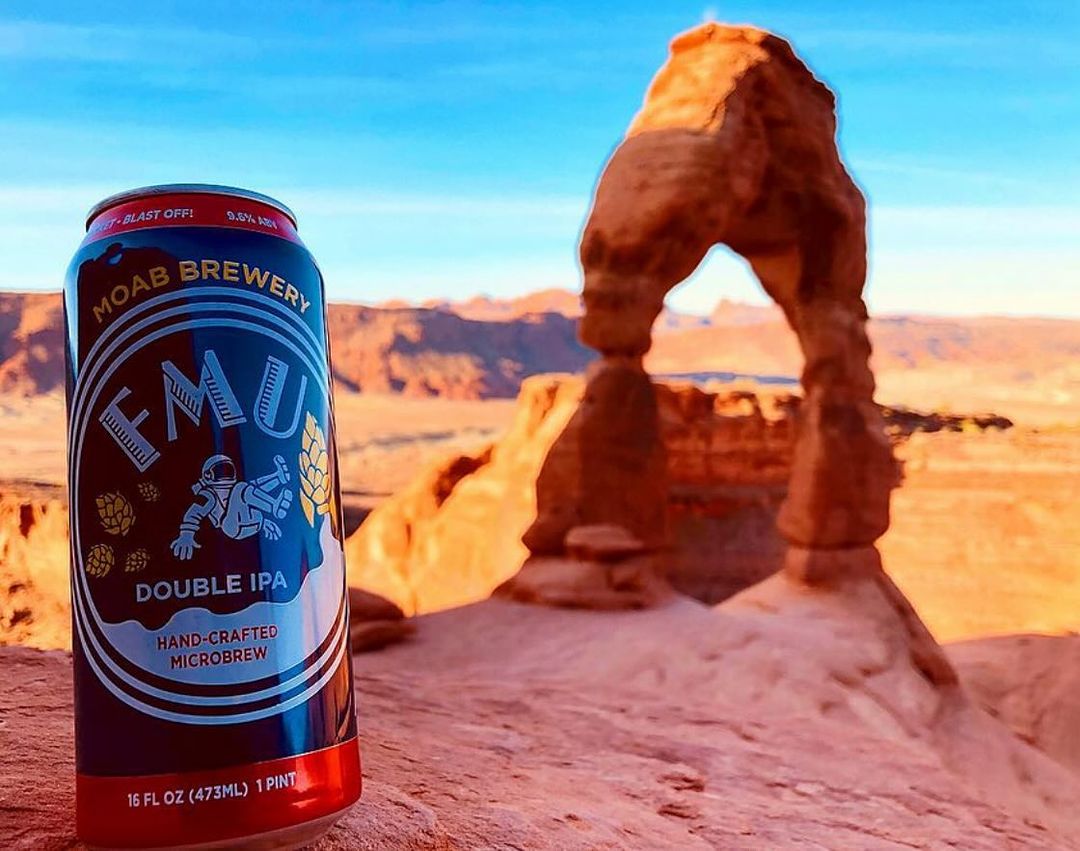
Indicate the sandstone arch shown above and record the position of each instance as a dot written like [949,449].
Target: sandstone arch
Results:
[735,144]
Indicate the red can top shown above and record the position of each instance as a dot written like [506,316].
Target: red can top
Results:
[190,205]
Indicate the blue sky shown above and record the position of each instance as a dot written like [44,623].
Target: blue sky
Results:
[447,149]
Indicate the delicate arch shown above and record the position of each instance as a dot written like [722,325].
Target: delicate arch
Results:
[735,144]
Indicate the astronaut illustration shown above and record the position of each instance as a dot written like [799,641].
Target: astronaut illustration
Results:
[239,509]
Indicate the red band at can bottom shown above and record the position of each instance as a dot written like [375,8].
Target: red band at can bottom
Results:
[226,803]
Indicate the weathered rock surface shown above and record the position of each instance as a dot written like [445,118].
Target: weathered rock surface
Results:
[605,567]
[1031,683]
[576,583]
[606,544]
[788,718]
[375,622]
[608,466]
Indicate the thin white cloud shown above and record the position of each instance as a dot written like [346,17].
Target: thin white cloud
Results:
[428,30]
[945,259]
[67,202]
[50,199]
[897,39]
[365,202]
[999,225]
[906,168]
[43,40]
[969,48]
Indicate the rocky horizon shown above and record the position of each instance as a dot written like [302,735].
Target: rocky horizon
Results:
[483,348]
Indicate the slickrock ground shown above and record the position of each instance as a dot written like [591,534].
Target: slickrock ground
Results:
[785,719]
[1032,684]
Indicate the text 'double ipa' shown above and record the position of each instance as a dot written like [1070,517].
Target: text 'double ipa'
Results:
[213,682]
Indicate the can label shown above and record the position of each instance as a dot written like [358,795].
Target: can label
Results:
[211,628]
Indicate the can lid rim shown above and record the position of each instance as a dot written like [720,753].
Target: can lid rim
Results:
[186,189]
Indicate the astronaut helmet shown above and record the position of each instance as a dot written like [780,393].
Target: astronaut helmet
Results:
[218,472]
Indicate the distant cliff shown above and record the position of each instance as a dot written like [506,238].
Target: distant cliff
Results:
[415,351]
[484,347]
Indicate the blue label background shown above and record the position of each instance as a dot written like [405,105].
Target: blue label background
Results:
[114,739]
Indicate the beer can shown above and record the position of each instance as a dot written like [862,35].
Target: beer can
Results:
[213,682]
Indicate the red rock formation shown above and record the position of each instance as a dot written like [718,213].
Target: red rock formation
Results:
[375,622]
[735,144]
[487,309]
[413,351]
[608,466]
[428,352]
[421,352]
[455,533]
[34,606]
[605,567]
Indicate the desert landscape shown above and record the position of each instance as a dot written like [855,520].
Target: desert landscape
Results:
[980,542]
[777,576]
[985,417]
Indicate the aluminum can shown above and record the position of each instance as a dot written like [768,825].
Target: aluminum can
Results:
[213,682]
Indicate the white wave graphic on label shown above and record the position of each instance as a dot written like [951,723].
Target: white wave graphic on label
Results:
[301,625]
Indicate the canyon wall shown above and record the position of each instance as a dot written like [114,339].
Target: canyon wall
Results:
[455,533]
[482,348]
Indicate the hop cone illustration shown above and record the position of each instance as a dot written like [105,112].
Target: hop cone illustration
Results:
[149,492]
[99,560]
[137,560]
[115,512]
[316,489]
